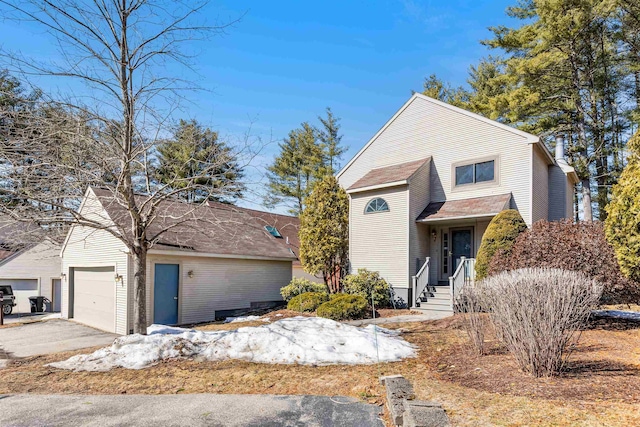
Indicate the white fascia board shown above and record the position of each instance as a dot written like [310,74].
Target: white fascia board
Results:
[212,255]
[457,218]
[378,187]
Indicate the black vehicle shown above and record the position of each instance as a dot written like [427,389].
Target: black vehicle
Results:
[9,299]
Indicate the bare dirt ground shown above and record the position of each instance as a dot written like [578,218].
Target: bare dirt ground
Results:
[600,386]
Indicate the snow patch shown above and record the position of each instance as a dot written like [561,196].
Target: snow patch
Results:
[245,319]
[301,340]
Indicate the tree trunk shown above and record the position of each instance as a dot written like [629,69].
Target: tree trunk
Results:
[586,200]
[140,291]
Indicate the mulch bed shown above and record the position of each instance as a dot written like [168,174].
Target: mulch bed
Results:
[605,365]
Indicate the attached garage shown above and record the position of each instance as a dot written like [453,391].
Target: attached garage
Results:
[196,272]
[93,300]
[22,289]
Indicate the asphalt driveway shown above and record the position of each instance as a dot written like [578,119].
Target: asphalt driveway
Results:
[186,410]
[51,336]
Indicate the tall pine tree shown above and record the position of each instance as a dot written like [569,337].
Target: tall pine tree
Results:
[299,165]
[196,159]
[329,136]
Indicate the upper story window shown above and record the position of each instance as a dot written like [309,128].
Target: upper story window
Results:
[376,205]
[273,231]
[476,172]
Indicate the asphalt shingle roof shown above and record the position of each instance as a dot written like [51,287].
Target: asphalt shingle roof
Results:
[216,228]
[454,209]
[389,174]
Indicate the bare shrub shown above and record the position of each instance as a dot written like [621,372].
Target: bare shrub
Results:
[469,303]
[538,313]
[571,246]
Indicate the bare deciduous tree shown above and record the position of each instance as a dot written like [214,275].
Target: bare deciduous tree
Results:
[127,54]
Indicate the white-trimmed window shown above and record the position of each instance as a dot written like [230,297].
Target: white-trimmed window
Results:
[376,205]
[475,173]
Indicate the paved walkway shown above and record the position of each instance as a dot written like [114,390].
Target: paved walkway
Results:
[186,410]
[434,315]
[51,336]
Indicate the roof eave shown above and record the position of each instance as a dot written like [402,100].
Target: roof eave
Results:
[456,218]
[156,251]
[377,187]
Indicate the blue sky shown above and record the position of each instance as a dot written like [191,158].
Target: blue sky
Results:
[285,61]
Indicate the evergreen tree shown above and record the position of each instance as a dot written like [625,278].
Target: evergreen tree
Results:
[621,225]
[324,232]
[436,88]
[501,233]
[299,165]
[196,160]
[330,138]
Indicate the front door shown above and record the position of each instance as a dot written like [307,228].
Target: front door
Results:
[461,245]
[165,294]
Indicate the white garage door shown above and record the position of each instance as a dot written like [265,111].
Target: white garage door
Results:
[94,297]
[22,289]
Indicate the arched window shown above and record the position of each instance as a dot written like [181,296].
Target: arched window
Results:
[376,205]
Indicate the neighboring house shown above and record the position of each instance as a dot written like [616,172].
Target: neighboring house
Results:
[31,269]
[215,261]
[423,190]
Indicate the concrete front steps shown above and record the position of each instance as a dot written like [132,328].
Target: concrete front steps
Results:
[435,298]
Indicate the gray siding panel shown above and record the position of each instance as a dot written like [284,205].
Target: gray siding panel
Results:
[540,171]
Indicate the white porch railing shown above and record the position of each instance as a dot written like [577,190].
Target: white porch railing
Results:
[420,281]
[464,275]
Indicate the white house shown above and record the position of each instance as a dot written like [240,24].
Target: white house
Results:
[222,261]
[31,269]
[423,190]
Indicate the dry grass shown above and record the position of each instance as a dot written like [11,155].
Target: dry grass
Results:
[11,325]
[600,387]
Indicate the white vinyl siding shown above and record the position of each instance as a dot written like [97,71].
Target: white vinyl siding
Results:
[41,262]
[380,241]
[425,128]
[90,247]
[219,284]
[418,233]
[540,186]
